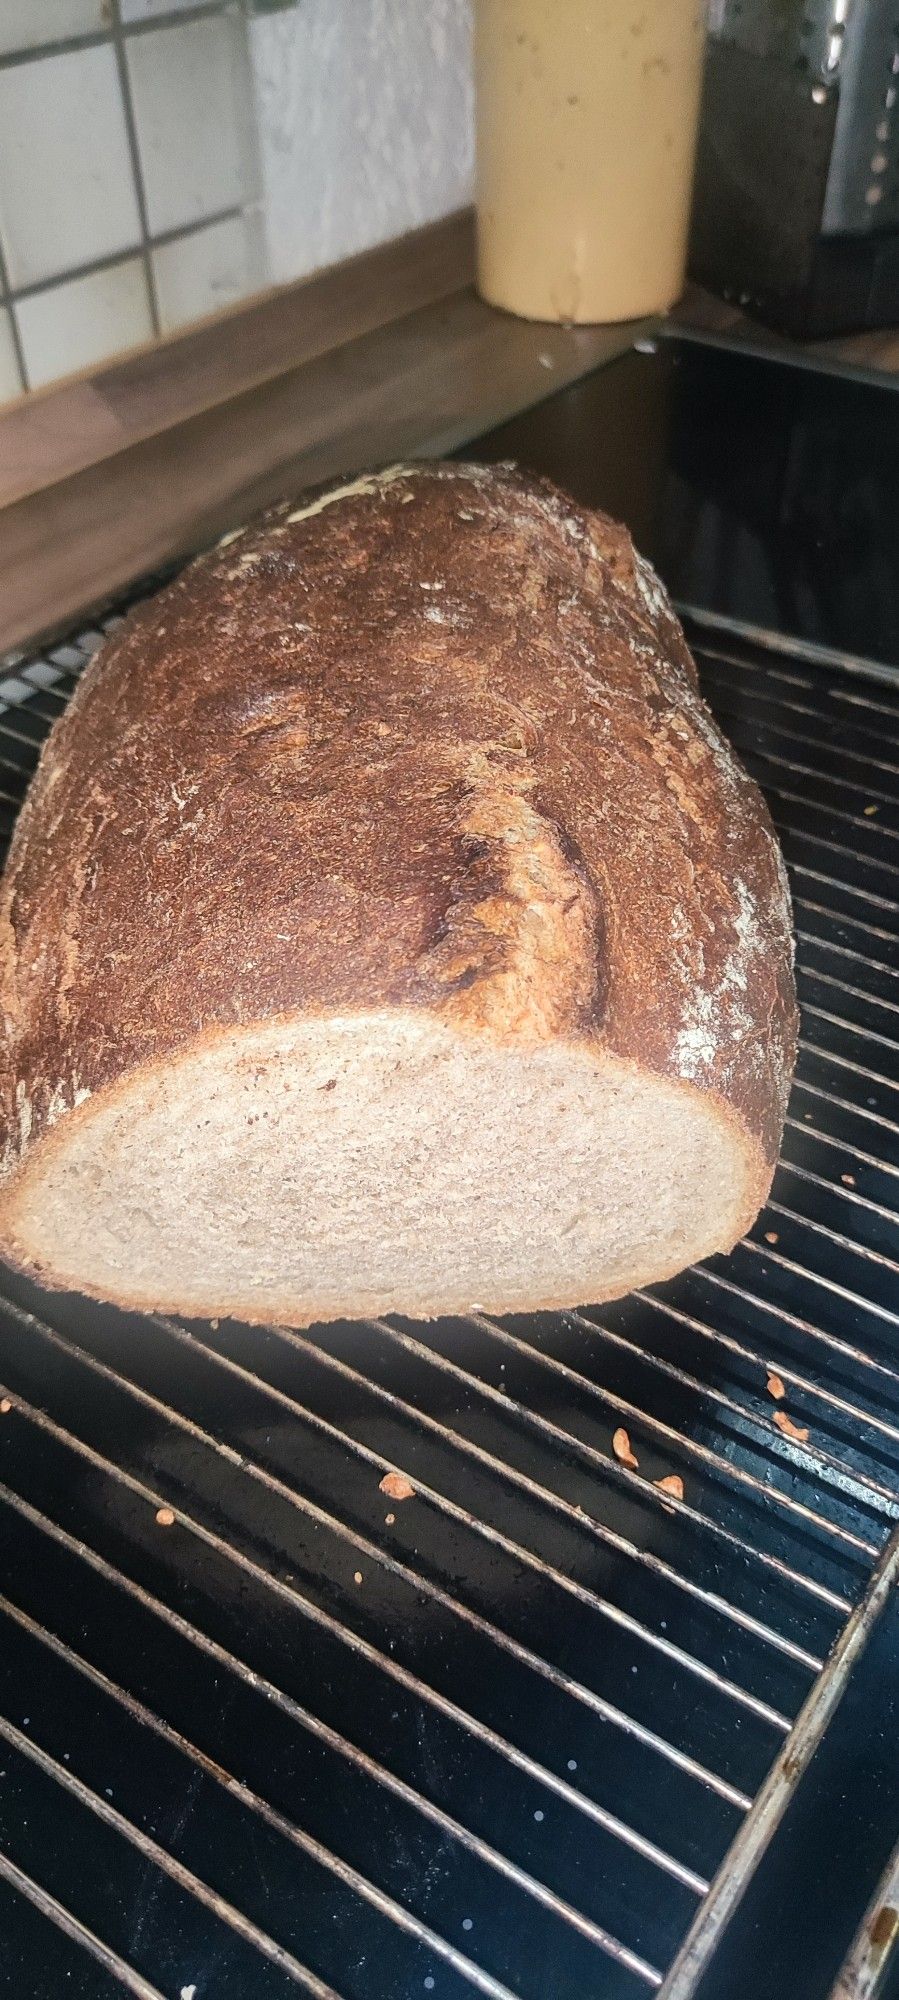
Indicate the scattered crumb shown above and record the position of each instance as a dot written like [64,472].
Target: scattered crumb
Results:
[771,1236]
[390,1518]
[165,1517]
[396,1486]
[775,1386]
[357,1576]
[884,1927]
[672,1483]
[789,1429]
[870,811]
[848,1180]
[621,1446]
[5,1406]
[214,1325]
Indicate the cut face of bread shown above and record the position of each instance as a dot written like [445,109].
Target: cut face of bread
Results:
[347,1166]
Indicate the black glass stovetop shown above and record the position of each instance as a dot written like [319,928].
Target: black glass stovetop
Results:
[765,492]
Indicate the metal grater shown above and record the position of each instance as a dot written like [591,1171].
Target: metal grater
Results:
[796,210]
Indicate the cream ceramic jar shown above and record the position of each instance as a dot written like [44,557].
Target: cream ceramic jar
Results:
[586,131]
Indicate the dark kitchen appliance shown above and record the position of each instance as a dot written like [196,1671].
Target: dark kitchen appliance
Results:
[796,206]
[544,1729]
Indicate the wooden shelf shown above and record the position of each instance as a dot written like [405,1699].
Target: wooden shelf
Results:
[117,472]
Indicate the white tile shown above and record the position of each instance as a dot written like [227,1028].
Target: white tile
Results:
[10,380]
[208,270]
[66,186]
[193,110]
[26,24]
[71,325]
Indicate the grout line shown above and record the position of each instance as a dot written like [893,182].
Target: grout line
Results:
[98,38]
[18,349]
[127,250]
[66,45]
[118,41]
[6,298]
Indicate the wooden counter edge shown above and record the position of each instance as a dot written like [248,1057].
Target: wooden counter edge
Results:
[57,432]
[419,384]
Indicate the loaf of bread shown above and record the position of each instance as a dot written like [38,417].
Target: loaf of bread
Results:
[389,927]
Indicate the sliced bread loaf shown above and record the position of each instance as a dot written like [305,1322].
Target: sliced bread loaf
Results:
[389,926]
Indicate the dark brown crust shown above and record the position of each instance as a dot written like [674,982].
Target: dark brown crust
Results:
[436,743]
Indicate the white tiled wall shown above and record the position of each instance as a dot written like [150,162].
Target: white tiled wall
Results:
[162,159]
[192,107]
[66,189]
[27,24]
[209,270]
[9,368]
[129,180]
[82,320]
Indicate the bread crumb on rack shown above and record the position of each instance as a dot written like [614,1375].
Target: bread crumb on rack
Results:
[621,1446]
[789,1429]
[396,1486]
